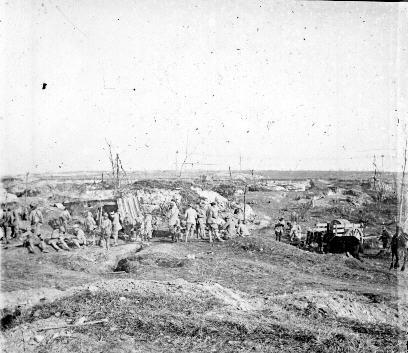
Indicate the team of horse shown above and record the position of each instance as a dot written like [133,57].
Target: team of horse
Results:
[351,245]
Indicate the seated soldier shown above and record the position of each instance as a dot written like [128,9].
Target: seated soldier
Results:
[60,235]
[54,239]
[242,229]
[79,238]
[229,229]
[35,239]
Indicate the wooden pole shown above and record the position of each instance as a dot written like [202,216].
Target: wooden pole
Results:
[26,186]
[229,168]
[375,172]
[117,171]
[245,191]
[403,183]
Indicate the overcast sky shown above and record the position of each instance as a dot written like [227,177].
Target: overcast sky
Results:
[284,85]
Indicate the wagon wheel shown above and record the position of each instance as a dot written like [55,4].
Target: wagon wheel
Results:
[356,233]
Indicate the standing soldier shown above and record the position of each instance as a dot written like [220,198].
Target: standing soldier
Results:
[7,224]
[2,231]
[294,217]
[106,230]
[148,227]
[174,220]
[200,222]
[16,223]
[116,227]
[90,226]
[385,238]
[295,232]
[65,218]
[36,219]
[279,228]
[212,221]
[191,218]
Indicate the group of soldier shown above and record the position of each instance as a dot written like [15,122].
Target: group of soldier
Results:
[291,228]
[198,219]
[59,238]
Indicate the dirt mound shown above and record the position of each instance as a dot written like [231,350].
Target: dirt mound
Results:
[180,288]
[93,260]
[131,264]
[230,297]
[26,338]
[345,305]
[30,297]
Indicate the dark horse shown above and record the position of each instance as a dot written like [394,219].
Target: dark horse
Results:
[399,243]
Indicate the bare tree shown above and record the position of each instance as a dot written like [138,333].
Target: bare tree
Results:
[402,189]
[111,158]
[186,156]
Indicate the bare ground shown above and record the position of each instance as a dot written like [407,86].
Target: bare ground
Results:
[248,294]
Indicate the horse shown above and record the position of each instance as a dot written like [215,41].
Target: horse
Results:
[399,244]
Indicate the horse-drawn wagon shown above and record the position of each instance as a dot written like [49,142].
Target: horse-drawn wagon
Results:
[323,233]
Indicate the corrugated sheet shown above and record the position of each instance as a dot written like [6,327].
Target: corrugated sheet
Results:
[129,206]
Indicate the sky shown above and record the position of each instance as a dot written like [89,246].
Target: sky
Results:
[286,85]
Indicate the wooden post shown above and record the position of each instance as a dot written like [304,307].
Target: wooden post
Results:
[117,171]
[26,186]
[403,184]
[102,177]
[229,168]
[245,191]
[375,172]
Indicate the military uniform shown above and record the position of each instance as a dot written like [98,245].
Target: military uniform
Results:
[106,231]
[191,217]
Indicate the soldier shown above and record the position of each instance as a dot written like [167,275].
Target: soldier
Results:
[90,226]
[279,228]
[212,221]
[57,240]
[229,228]
[191,218]
[106,230]
[385,237]
[116,227]
[242,229]
[79,238]
[200,225]
[295,232]
[148,227]
[16,223]
[2,230]
[294,217]
[7,224]
[65,218]
[177,231]
[36,219]
[173,216]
